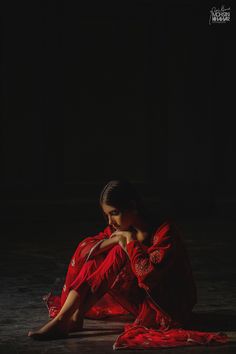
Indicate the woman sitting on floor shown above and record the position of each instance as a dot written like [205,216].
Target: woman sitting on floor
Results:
[141,265]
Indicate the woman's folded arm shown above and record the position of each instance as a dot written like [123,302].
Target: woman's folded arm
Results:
[147,264]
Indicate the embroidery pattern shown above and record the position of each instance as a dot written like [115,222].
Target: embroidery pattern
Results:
[155,239]
[155,256]
[142,267]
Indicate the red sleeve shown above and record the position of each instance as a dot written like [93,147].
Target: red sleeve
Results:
[88,246]
[149,264]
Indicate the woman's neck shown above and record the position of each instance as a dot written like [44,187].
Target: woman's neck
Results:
[144,228]
[141,225]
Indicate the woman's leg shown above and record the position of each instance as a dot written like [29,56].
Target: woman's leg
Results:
[69,317]
[60,325]
[85,291]
[74,272]
[77,321]
[113,276]
[102,279]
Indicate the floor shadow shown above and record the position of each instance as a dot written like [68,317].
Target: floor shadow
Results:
[97,329]
[212,322]
[117,318]
[102,333]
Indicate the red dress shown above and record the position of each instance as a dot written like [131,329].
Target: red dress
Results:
[153,281]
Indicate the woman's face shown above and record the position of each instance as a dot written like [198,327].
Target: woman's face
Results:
[120,220]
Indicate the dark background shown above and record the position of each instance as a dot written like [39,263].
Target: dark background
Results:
[94,91]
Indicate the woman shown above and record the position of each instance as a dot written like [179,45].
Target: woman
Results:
[141,266]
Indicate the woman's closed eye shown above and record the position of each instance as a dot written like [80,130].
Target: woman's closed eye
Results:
[114,212]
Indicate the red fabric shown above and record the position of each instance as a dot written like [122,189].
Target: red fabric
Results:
[146,338]
[164,271]
[153,282]
[87,253]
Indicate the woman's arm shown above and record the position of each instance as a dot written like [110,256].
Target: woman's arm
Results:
[105,245]
[149,264]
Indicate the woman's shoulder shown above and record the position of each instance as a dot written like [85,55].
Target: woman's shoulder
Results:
[163,227]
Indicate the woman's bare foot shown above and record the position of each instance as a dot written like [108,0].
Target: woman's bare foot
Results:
[59,327]
[54,329]
[76,325]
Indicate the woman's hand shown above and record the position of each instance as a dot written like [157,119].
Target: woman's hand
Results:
[123,237]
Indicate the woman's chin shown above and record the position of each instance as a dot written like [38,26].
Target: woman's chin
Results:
[120,228]
[115,228]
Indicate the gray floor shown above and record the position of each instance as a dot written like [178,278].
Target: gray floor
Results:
[33,262]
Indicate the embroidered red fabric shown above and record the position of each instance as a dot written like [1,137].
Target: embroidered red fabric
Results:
[140,337]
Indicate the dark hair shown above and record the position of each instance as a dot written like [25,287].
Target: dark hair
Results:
[122,195]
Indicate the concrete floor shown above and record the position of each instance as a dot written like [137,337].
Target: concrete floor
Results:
[32,262]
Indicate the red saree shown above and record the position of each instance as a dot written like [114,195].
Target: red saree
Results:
[152,281]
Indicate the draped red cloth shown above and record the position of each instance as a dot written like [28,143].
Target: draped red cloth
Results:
[146,338]
[152,280]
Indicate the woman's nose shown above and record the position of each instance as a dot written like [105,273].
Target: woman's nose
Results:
[110,220]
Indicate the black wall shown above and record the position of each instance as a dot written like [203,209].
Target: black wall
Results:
[93,91]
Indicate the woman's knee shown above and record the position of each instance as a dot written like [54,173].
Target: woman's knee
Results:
[117,252]
[118,249]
